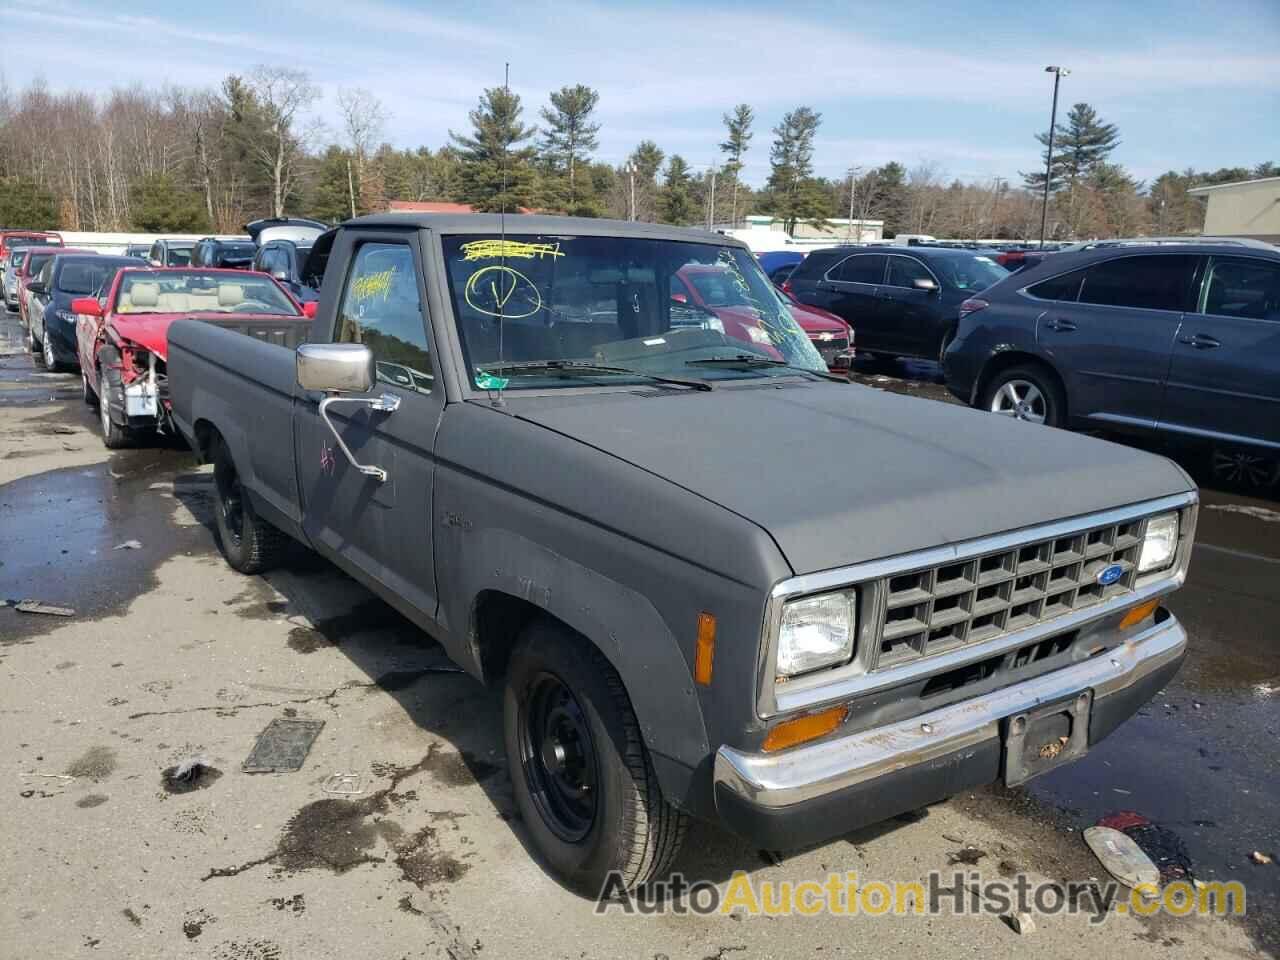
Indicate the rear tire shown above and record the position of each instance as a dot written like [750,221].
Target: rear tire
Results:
[249,544]
[946,342]
[581,774]
[115,436]
[1026,392]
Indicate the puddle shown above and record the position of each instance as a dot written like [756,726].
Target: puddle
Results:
[61,527]
[338,835]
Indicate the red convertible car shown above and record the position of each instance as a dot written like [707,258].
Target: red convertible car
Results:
[122,339]
[712,288]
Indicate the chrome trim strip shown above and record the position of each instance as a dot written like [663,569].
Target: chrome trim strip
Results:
[854,679]
[776,780]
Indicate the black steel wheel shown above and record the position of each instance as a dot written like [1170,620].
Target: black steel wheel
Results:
[558,757]
[249,543]
[582,777]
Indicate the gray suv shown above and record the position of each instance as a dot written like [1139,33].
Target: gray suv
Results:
[1179,341]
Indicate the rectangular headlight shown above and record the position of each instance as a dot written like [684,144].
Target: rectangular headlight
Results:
[817,632]
[1161,543]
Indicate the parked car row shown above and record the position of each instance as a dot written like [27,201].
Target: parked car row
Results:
[1178,341]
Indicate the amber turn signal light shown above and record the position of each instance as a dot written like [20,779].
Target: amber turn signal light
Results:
[1139,613]
[706,649]
[803,729]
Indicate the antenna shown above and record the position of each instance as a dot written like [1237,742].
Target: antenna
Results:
[502,243]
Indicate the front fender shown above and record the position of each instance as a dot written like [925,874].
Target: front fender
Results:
[626,627]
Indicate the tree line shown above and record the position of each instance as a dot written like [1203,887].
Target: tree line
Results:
[194,160]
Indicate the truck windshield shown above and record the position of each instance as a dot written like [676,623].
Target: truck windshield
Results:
[196,291]
[526,303]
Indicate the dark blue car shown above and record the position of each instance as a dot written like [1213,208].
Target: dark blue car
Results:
[901,301]
[1180,341]
[52,325]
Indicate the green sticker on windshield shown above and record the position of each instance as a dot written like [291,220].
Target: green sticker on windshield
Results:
[487,381]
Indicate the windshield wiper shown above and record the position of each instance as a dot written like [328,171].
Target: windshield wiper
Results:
[748,360]
[587,368]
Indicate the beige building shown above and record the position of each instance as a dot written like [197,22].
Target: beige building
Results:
[1247,208]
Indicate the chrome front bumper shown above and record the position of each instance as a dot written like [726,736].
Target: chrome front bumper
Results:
[771,782]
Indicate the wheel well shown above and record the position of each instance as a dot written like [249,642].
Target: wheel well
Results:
[1004,361]
[497,620]
[207,436]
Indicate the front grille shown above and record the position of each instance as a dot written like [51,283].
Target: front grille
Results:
[935,609]
[829,349]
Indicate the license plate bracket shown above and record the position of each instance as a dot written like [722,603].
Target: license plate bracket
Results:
[1037,741]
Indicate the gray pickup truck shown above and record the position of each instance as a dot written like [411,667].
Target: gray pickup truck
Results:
[711,582]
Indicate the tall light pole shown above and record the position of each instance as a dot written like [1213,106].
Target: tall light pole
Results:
[1058,74]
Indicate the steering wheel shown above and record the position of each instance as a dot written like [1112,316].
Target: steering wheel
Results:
[248,306]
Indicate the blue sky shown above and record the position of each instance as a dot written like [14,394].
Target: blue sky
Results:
[957,84]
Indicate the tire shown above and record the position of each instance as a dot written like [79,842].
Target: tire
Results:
[1244,469]
[249,544]
[1027,392]
[32,344]
[620,823]
[50,358]
[115,436]
[946,342]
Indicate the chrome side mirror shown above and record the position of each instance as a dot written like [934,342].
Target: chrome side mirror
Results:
[925,283]
[280,274]
[335,367]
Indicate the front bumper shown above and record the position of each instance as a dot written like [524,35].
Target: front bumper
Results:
[809,794]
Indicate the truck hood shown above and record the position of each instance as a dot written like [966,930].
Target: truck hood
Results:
[843,474]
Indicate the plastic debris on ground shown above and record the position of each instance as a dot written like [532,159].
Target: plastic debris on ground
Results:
[343,784]
[128,545]
[1162,845]
[1260,858]
[1123,858]
[283,746]
[48,609]
[194,773]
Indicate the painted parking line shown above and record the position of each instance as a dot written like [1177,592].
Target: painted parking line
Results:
[1242,554]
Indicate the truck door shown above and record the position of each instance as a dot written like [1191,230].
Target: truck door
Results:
[378,530]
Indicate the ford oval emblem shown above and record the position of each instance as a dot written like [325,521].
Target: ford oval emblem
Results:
[1109,575]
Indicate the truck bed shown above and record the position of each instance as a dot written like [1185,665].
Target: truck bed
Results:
[283,331]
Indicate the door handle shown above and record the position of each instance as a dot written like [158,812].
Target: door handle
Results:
[1060,325]
[387,403]
[1201,341]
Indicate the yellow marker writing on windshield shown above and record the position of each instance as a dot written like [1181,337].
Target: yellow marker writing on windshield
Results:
[515,249]
[504,283]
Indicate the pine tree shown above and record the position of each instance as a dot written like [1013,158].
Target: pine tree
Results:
[490,157]
[159,205]
[570,135]
[24,203]
[644,164]
[1079,145]
[735,145]
[889,192]
[675,201]
[793,193]
[330,197]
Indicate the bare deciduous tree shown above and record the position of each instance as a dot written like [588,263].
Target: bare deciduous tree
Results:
[281,94]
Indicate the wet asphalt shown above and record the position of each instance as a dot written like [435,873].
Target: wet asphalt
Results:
[1201,759]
